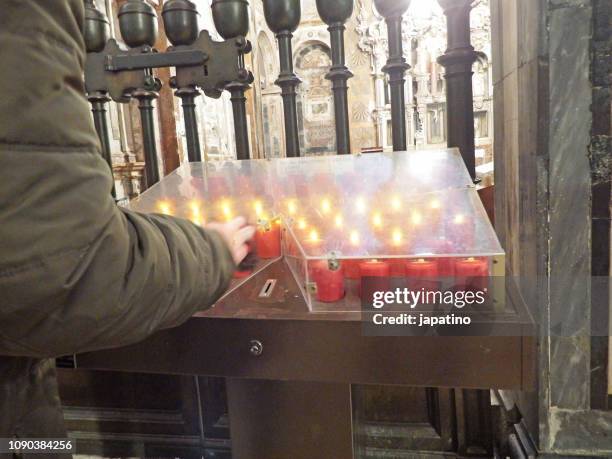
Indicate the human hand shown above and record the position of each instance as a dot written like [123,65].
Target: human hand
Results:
[236,233]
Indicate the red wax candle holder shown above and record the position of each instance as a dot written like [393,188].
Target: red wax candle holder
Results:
[329,281]
[268,240]
[397,268]
[472,273]
[351,269]
[422,273]
[378,272]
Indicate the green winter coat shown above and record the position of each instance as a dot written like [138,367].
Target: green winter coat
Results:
[77,273]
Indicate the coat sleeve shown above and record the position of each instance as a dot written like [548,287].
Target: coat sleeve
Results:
[77,273]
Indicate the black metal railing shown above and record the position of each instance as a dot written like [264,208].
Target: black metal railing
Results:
[121,72]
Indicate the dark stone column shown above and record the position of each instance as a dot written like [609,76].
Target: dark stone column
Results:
[458,60]
[392,11]
[149,145]
[139,28]
[96,32]
[335,14]
[188,96]
[231,19]
[283,17]
[181,27]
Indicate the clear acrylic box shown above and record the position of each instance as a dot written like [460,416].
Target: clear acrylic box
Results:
[342,218]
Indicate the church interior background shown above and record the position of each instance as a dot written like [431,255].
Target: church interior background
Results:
[424,36]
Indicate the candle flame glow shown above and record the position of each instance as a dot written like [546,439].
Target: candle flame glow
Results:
[435,204]
[258,206]
[377,220]
[354,238]
[360,205]
[397,236]
[292,207]
[164,207]
[226,208]
[301,224]
[396,203]
[195,207]
[459,219]
[325,206]
[416,218]
[313,236]
[196,213]
[338,221]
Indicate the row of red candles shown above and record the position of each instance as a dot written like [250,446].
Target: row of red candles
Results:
[330,282]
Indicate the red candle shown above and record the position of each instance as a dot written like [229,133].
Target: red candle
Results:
[421,268]
[330,282]
[446,266]
[472,273]
[397,268]
[351,268]
[312,244]
[374,268]
[422,273]
[379,272]
[242,274]
[268,240]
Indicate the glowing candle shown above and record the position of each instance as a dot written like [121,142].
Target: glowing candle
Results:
[472,267]
[396,236]
[292,207]
[258,207]
[459,219]
[435,211]
[396,203]
[377,220]
[422,274]
[164,207]
[325,206]
[354,238]
[377,274]
[472,273]
[461,232]
[329,282]
[301,224]
[226,210]
[196,213]
[421,268]
[416,218]
[360,205]
[338,221]
[374,268]
[268,240]
[312,243]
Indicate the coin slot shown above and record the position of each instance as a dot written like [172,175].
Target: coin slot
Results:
[267,289]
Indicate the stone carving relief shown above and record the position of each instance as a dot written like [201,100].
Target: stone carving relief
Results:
[315,106]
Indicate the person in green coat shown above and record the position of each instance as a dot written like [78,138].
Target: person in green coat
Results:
[77,273]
